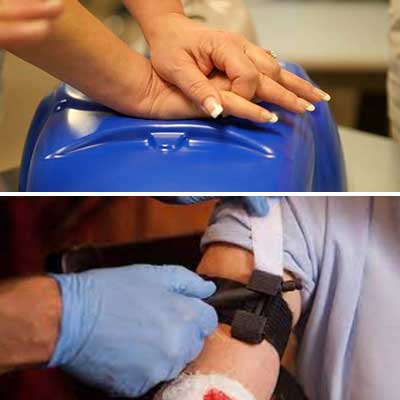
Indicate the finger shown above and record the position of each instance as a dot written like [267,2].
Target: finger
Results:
[15,33]
[273,92]
[269,66]
[196,344]
[242,108]
[32,10]
[195,85]
[263,61]
[185,282]
[229,57]
[302,87]
[206,317]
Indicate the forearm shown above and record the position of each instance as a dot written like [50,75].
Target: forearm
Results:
[29,321]
[256,367]
[82,52]
[147,11]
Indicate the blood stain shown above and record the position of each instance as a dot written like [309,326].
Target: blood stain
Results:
[215,394]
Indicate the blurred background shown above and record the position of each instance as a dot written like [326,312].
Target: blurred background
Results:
[342,44]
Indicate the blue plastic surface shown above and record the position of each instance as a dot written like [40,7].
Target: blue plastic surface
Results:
[76,145]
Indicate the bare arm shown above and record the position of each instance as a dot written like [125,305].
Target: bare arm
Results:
[80,50]
[29,318]
[256,367]
[147,11]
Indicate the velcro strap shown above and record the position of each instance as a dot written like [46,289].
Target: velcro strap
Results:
[253,315]
[267,237]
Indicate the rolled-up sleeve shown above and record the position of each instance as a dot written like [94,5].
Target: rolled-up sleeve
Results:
[303,224]
[229,223]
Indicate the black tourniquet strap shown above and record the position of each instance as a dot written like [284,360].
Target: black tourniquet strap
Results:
[253,316]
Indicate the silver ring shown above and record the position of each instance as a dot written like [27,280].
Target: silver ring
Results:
[272,54]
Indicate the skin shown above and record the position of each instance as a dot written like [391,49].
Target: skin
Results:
[29,313]
[256,367]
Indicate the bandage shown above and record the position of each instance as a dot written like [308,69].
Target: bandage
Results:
[205,387]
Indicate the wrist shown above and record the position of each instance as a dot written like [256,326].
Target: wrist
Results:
[30,313]
[132,93]
[148,12]
[49,313]
[163,24]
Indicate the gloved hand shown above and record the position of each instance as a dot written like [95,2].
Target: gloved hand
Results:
[127,329]
[256,205]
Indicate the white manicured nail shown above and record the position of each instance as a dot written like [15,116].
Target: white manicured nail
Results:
[269,117]
[325,96]
[213,107]
[35,27]
[274,118]
[306,105]
[54,3]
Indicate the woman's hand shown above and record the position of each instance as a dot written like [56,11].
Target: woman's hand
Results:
[26,21]
[186,54]
[162,100]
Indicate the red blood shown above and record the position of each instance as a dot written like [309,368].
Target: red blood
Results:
[215,394]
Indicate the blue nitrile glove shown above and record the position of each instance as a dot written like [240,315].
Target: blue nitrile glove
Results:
[127,329]
[256,205]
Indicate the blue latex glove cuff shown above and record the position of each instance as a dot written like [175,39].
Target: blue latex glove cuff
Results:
[74,323]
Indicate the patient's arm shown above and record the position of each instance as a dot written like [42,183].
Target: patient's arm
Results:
[256,367]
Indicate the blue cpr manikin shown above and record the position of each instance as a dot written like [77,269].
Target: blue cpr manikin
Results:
[76,145]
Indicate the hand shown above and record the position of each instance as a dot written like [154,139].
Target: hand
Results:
[127,329]
[185,53]
[26,21]
[162,100]
[256,205]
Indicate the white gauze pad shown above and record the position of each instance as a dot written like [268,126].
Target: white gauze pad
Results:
[205,387]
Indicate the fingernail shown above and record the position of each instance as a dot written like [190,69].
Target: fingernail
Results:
[213,107]
[39,26]
[269,117]
[324,96]
[306,105]
[54,3]
[274,118]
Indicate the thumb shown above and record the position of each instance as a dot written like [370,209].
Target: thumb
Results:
[195,85]
[182,281]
